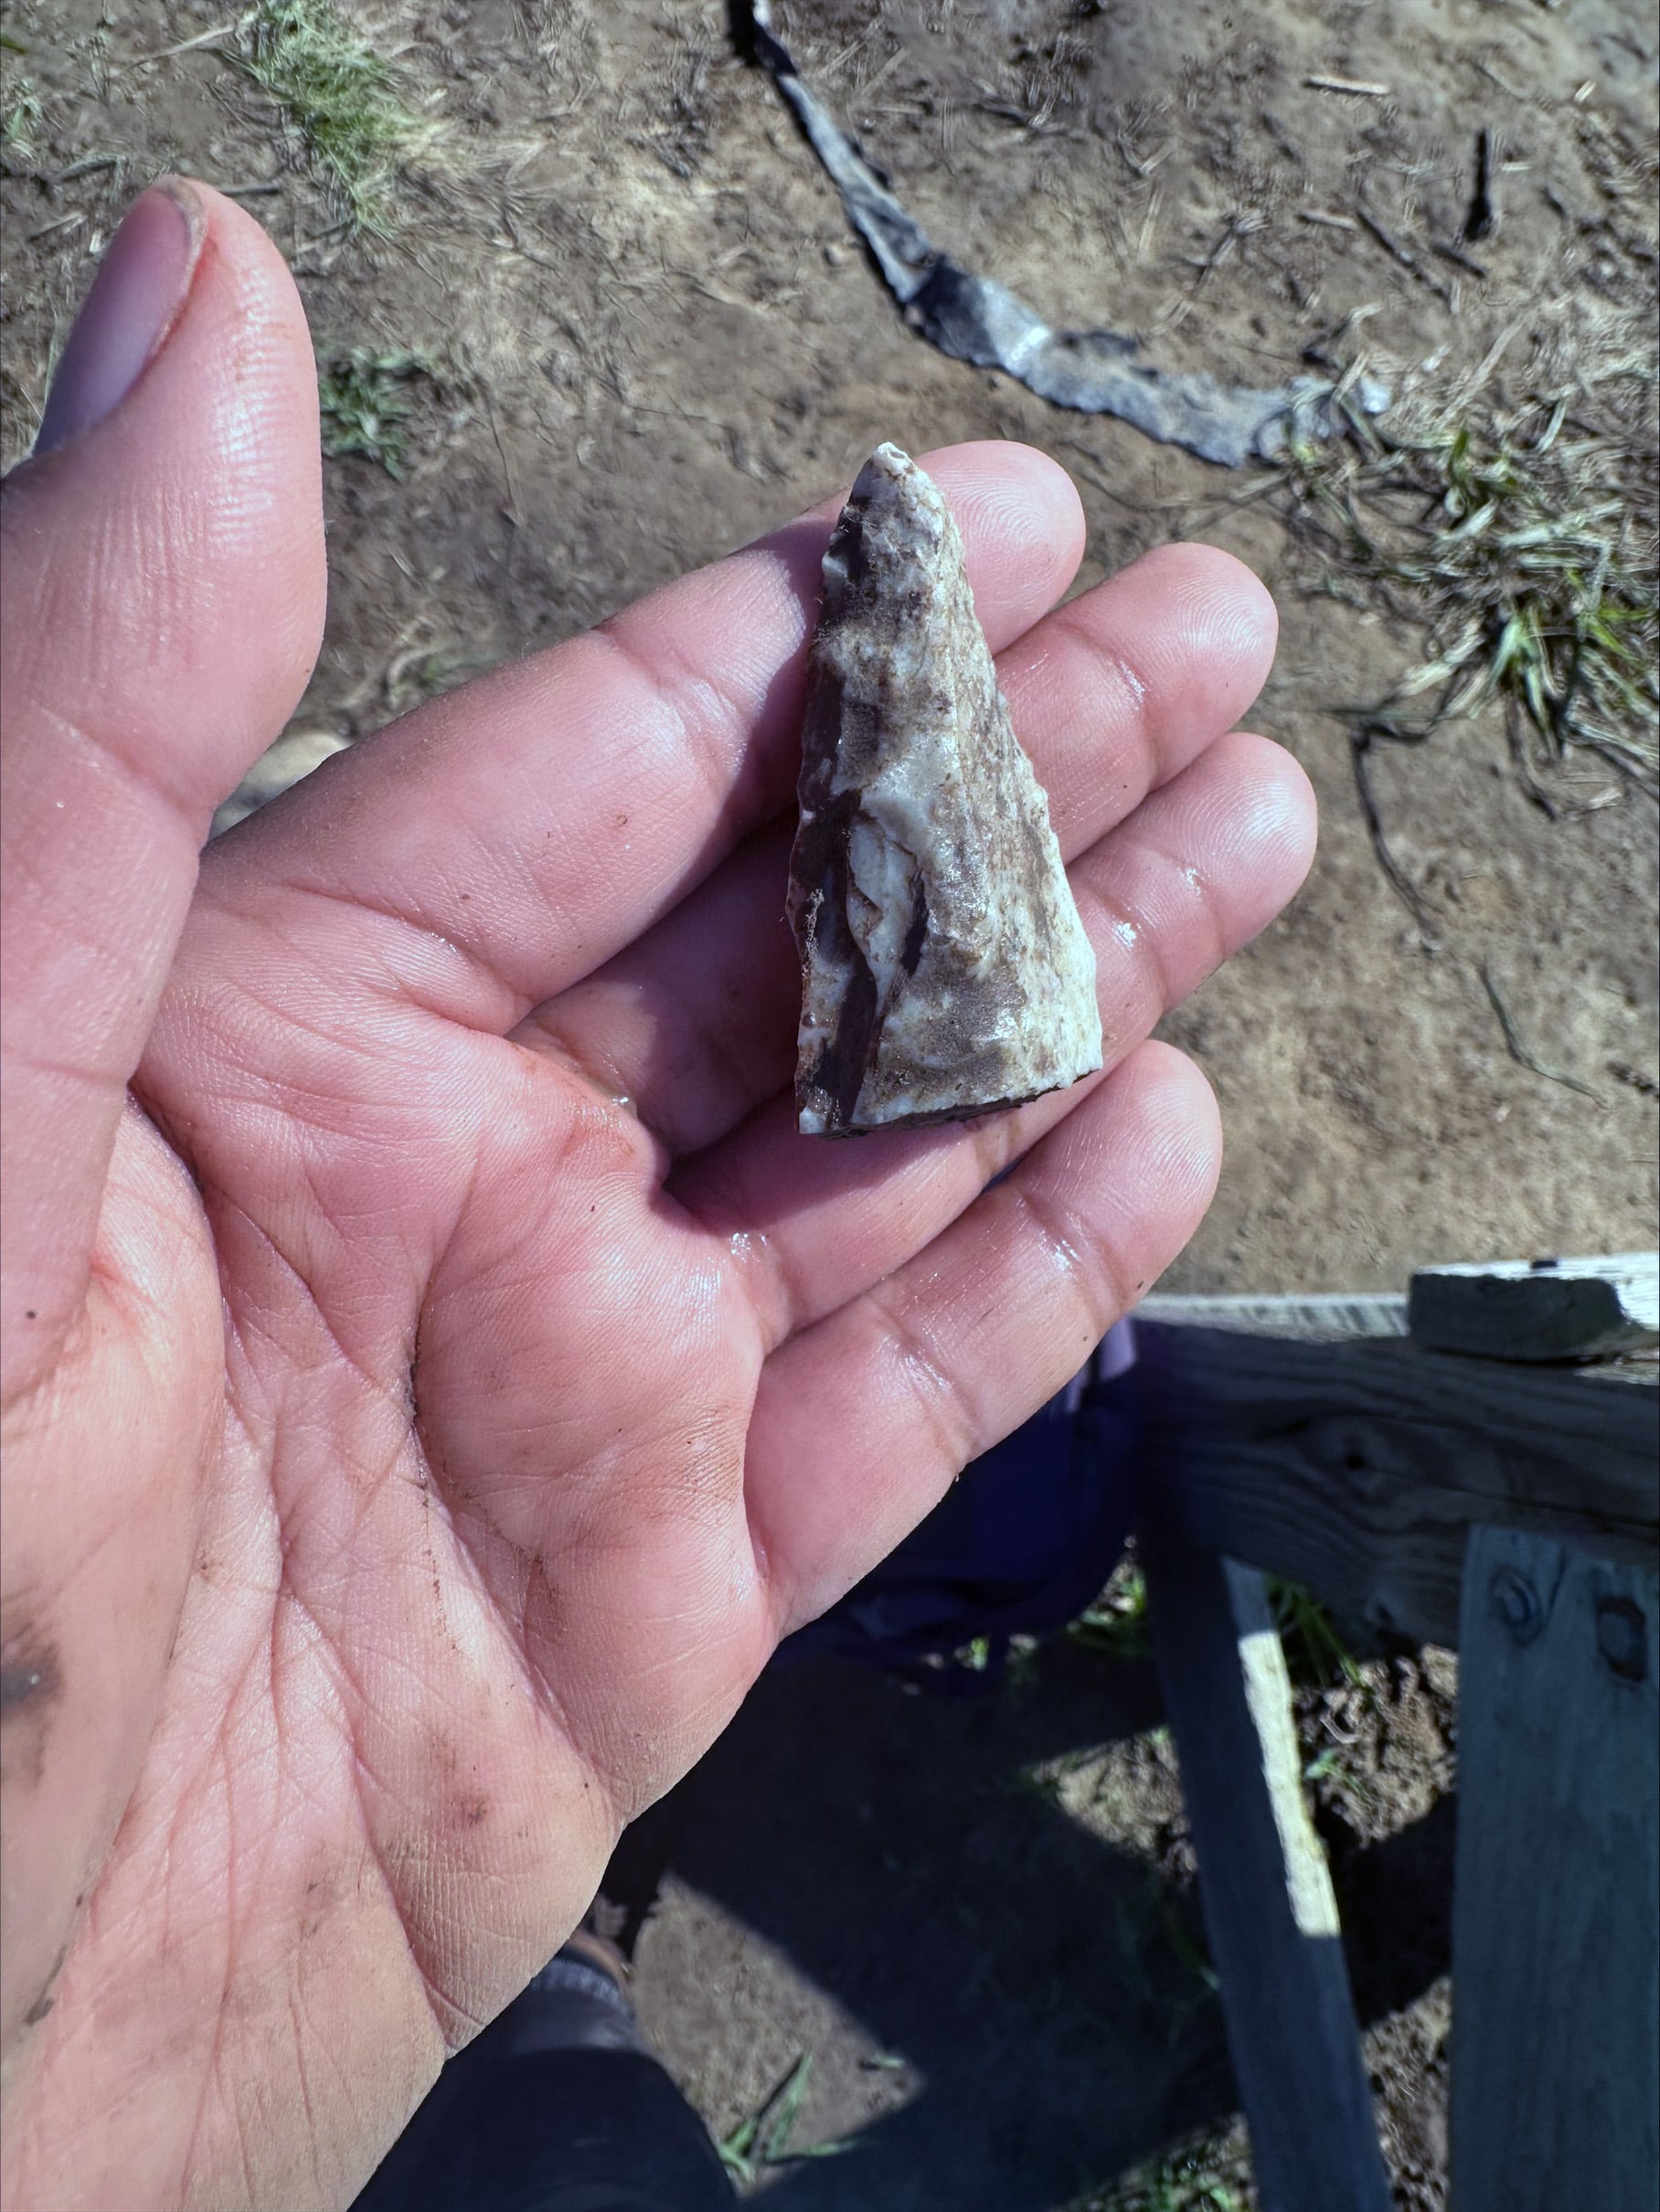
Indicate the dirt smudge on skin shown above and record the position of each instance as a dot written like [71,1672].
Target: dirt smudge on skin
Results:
[31,1687]
[44,2003]
[30,1675]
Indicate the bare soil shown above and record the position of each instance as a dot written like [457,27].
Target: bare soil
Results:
[650,337]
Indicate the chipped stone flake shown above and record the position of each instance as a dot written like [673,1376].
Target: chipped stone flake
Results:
[944,969]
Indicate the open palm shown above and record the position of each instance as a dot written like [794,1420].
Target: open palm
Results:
[432,1390]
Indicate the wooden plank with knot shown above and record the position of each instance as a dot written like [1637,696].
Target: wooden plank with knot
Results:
[1358,1468]
[1556,1928]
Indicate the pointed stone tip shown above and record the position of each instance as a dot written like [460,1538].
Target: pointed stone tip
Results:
[895,502]
[945,972]
[889,467]
[891,457]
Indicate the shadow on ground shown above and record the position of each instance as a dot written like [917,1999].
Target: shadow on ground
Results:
[1002,1980]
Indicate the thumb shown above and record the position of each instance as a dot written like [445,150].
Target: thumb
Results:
[161,601]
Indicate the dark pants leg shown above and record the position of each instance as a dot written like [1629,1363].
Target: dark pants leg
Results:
[557,2106]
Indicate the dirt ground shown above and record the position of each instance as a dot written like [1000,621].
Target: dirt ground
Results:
[646,337]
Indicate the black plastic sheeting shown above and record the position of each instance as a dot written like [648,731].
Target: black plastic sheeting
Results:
[976,320]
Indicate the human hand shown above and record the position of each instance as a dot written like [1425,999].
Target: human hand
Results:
[435,1371]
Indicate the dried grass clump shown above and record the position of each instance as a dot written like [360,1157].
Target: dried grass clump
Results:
[1519,541]
[339,95]
[20,119]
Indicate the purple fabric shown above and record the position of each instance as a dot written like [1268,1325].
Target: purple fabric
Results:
[1021,1543]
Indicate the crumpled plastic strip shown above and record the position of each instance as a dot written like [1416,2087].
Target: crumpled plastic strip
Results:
[976,320]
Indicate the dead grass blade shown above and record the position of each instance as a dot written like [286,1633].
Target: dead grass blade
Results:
[341,98]
[1519,542]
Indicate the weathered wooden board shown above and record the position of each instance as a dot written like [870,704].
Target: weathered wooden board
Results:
[1323,1315]
[1543,1309]
[1358,1468]
[1556,1931]
[1270,1913]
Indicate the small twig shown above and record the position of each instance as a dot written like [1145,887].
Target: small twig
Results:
[64,222]
[1319,350]
[323,237]
[1396,251]
[1348,84]
[876,78]
[1491,359]
[1515,736]
[184,46]
[1503,83]
[1519,1052]
[1459,257]
[86,168]
[1143,169]
[1328,222]
[248,191]
[1481,218]
[1360,745]
[1239,226]
[849,51]
[512,510]
[541,259]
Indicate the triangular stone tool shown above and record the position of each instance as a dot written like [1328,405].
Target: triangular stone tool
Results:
[944,969]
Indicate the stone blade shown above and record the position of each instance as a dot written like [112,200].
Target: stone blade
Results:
[944,969]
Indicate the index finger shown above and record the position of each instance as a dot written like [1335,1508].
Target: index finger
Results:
[539,819]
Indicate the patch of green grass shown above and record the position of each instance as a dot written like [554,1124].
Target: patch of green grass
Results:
[20,119]
[1180,2181]
[1116,1624]
[1333,1774]
[1013,1660]
[1151,1936]
[340,96]
[1325,1766]
[363,402]
[1519,542]
[1313,1642]
[1189,1952]
[766,2138]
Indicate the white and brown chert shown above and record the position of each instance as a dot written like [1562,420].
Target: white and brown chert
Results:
[944,969]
